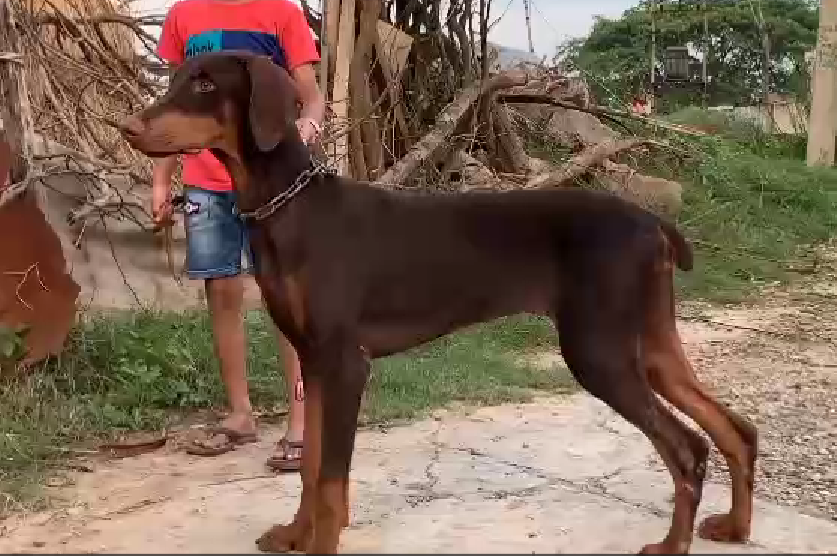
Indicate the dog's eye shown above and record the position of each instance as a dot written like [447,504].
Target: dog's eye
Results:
[204,86]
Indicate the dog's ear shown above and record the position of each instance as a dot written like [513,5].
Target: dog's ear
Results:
[273,102]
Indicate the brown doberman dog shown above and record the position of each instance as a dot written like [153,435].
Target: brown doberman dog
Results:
[351,272]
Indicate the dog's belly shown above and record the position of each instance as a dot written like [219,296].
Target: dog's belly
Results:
[381,340]
[391,326]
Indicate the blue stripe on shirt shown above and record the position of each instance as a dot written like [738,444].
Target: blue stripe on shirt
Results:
[256,42]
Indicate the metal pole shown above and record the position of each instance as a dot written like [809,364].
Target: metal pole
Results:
[704,74]
[651,99]
[653,56]
[527,9]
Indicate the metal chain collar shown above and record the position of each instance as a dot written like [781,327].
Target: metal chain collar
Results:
[266,210]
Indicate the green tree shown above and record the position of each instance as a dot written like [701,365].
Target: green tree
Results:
[616,53]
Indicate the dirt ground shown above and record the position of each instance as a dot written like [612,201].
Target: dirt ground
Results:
[558,475]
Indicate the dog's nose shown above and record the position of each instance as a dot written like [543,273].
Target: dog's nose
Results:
[131,126]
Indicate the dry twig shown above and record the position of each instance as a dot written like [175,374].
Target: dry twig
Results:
[24,274]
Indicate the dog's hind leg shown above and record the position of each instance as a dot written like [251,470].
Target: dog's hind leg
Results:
[599,328]
[672,377]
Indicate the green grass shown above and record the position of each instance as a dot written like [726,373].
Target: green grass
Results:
[752,205]
[144,371]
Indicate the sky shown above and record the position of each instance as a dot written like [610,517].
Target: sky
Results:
[553,21]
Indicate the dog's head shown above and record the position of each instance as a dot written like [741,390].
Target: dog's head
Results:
[226,101]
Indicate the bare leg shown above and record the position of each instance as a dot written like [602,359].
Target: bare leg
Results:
[225,297]
[296,394]
[288,455]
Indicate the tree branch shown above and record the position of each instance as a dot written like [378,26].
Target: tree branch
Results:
[541,98]
[586,160]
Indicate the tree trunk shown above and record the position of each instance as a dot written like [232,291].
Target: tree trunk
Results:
[485,6]
[15,111]
[513,155]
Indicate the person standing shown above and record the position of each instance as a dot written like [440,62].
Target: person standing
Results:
[216,237]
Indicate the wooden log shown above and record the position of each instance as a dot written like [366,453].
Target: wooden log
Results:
[365,137]
[586,161]
[510,146]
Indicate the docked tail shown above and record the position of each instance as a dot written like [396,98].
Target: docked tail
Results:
[683,255]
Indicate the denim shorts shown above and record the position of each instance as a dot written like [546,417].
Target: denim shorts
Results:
[216,237]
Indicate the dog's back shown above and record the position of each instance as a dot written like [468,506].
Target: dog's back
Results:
[561,225]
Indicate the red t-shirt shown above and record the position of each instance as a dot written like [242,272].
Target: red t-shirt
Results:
[276,28]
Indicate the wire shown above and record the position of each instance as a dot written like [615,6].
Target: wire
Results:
[545,20]
[502,15]
[615,101]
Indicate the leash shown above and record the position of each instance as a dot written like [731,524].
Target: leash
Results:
[266,210]
[177,204]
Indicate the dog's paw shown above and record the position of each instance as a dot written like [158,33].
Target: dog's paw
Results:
[722,528]
[285,538]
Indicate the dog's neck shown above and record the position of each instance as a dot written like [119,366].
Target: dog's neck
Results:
[260,176]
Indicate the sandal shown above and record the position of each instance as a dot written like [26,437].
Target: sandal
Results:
[219,440]
[290,459]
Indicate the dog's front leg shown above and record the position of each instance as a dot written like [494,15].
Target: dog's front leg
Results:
[298,534]
[344,368]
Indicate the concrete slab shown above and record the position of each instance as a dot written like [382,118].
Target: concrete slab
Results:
[560,475]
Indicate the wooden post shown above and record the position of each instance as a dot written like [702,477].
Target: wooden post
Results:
[821,127]
[15,111]
[325,59]
[332,26]
[340,94]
